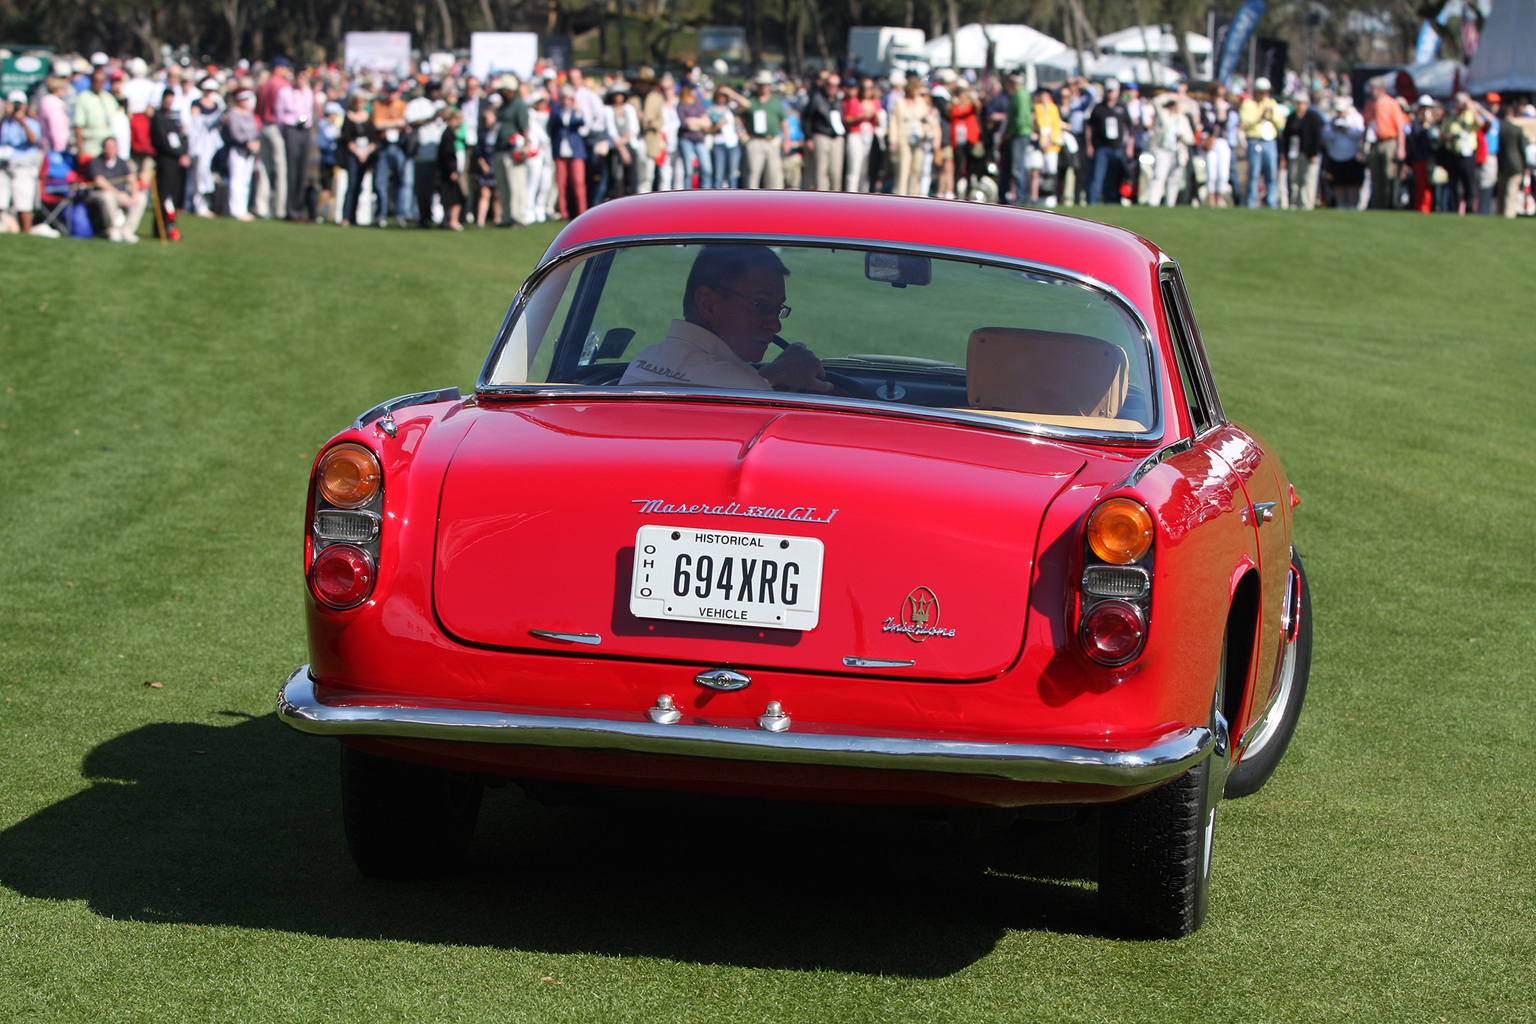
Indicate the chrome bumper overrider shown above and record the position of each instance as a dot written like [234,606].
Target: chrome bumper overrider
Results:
[1170,756]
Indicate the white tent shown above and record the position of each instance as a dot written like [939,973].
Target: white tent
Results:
[1505,60]
[1126,69]
[1162,39]
[1017,45]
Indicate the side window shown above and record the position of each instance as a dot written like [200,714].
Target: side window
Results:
[1194,377]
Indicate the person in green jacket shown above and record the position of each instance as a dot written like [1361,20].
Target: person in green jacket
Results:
[1019,133]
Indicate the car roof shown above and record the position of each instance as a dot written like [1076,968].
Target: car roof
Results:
[1118,258]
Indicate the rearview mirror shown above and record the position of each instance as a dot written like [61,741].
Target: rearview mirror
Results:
[898,268]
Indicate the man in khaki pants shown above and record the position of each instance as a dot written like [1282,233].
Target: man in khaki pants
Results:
[764,117]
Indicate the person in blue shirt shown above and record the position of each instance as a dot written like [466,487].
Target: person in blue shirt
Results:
[21,157]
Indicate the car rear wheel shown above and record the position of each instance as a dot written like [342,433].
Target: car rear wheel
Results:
[405,820]
[1155,857]
[1264,750]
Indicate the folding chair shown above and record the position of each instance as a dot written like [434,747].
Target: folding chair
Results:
[62,191]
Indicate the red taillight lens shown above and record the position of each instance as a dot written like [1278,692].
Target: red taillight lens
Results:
[342,576]
[1113,632]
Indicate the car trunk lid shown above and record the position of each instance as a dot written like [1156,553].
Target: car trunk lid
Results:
[927,531]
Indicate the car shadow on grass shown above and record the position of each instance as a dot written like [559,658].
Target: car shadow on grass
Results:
[240,825]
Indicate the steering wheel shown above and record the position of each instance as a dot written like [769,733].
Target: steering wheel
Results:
[847,387]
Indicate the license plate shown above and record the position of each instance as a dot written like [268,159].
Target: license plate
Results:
[764,580]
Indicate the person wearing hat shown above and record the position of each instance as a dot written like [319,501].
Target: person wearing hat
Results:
[1383,114]
[96,112]
[22,135]
[1459,136]
[763,115]
[1343,166]
[1262,121]
[1109,145]
[389,174]
[1423,137]
[243,136]
[1303,141]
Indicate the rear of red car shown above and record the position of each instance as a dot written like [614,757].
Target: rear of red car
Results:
[756,594]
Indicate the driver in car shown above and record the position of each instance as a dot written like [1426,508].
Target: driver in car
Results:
[732,308]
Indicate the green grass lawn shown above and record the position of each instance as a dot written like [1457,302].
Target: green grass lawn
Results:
[171,853]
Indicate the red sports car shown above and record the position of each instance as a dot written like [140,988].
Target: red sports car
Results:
[969,528]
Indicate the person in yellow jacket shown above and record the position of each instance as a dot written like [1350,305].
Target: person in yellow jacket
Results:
[1048,132]
[1262,120]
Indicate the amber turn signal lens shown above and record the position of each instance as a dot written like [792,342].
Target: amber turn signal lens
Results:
[348,475]
[1120,531]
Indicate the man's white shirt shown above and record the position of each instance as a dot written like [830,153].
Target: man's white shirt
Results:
[693,356]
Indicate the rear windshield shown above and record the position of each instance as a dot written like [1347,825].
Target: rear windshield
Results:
[846,322]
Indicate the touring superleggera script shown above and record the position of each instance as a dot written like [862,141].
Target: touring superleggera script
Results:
[798,514]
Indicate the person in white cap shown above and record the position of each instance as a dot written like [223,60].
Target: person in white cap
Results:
[767,141]
[1262,121]
[139,91]
[21,137]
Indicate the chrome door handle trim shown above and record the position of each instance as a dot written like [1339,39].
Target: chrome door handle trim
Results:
[853,662]
[723,679]
[591,639]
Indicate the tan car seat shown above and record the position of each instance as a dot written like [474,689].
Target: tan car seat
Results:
[1045,373]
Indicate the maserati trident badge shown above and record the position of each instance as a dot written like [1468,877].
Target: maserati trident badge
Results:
[919,617]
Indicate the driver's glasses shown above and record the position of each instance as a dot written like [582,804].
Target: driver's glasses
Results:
[760,307]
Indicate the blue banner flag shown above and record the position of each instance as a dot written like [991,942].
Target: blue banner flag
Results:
[1428,45]
[1243,24]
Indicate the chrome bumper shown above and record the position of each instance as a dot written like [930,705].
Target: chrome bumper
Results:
[1172,755]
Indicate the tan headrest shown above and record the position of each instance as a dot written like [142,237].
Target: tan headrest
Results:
[1012,369]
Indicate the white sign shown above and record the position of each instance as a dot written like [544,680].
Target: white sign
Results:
[492,53]
[388,53]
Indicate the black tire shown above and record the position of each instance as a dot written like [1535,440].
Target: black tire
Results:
[405,820]
[1263,753]
[1155,858]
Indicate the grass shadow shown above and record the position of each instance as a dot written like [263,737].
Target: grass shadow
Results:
[240,825]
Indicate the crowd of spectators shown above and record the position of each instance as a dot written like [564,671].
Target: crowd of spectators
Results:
[274,141]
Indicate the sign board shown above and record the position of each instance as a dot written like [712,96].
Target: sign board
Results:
[388,53]
[22,72]
[493,53]
[559,51]
[722,43]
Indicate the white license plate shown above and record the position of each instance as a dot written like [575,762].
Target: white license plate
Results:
[764,580]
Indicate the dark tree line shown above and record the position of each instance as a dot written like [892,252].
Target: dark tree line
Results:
[653,31]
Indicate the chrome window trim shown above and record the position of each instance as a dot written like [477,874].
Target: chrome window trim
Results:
[1169,756]
[960,417]
[1169,271]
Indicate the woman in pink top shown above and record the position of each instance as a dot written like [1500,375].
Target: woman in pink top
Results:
[860,109]
[54,115]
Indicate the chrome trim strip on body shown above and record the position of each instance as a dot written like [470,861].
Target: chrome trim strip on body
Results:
[484,387]
[591,639]
[384,409]
[853,662]
[1172,755]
